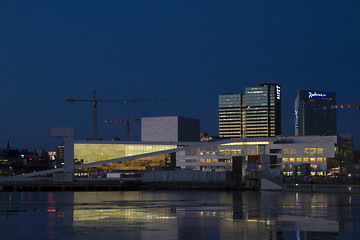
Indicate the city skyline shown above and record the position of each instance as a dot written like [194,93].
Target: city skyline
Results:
[189,50]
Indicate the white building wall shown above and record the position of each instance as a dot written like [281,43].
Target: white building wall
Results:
[298,143]
[159,129]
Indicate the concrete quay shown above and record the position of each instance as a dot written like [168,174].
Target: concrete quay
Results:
[44,186]
[49,186]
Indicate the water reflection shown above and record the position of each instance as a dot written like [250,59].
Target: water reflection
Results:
[178,215]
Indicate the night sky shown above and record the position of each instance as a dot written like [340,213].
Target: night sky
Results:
[187,50]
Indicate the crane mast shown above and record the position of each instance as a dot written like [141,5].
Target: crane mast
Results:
[95,117]
[95,101]
[127,122]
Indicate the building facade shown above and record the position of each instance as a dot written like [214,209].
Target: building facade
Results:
[95,151]
[263,110]
[323,154]
[257,113]
[231,117]
[313,114]
[170,129]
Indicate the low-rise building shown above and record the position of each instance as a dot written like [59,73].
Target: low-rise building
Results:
[322,155]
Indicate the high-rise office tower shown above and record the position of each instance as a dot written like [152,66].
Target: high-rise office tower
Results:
[257,113]
[231,115]
[263,110]
[313,115]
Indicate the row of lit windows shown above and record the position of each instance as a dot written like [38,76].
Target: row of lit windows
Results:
[229,126]
[224,109]
[255,123]
[287,167]
[306,151]
[246,143]
[230,119]
[229,123]
[289,151]
[321,159]
[257,130]
[238,152]
[313,151]
[228,112]
[230,130]
[231,114]
[254,128]
[313,174]
[209,160]
[255,111]
[215,167]
[207,153]
[260,117]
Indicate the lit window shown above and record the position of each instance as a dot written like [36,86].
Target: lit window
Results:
[320,151]
[286,151]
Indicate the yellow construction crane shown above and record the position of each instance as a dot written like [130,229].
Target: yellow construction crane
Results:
[96,100]
[127,122]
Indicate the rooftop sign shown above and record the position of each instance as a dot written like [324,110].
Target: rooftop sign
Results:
[315,94]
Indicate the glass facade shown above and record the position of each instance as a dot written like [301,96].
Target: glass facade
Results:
[263,111]
[91,152]
[165,161]
[257,113]
[311,117]
[231,115]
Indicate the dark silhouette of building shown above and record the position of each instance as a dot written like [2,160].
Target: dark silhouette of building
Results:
[312,117]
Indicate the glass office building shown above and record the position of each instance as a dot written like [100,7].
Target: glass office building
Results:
[257,113]
[263,110]
[313,113]
[231,116]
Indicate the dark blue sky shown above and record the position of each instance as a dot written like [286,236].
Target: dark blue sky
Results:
[188,50]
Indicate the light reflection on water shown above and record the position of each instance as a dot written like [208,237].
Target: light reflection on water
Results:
[178,215]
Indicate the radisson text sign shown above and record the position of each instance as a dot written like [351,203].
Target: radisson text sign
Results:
[315,94]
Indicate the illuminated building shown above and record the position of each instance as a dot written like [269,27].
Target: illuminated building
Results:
[322,154]
[257,113]
[310,116]
[231,115]
[94,151]
[263,110]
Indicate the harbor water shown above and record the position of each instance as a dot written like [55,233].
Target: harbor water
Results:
[178,215]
